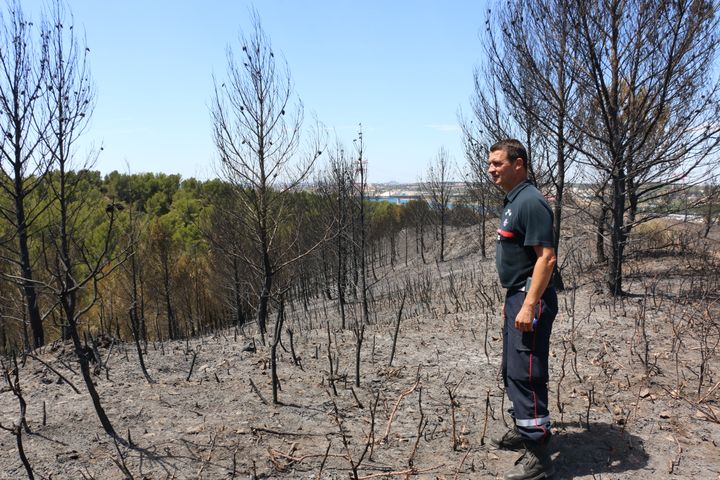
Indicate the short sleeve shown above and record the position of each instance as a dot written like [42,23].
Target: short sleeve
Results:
[537,220]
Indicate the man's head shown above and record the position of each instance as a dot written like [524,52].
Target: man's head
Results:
[508,164]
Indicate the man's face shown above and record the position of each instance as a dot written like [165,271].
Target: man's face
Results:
[505,173]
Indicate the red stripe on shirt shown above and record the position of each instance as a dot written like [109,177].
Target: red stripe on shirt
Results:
[505,233]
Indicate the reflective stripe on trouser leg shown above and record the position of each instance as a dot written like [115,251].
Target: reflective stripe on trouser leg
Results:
[525,358]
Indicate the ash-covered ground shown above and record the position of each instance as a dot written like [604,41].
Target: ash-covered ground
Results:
[634,388]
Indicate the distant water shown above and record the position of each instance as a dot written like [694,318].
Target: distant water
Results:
[398,200]
[394,200]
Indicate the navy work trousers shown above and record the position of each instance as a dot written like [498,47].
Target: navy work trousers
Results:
[525,365]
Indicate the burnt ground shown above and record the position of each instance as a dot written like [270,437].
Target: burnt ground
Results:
[634,387]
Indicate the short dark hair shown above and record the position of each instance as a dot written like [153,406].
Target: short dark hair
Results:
[513,148]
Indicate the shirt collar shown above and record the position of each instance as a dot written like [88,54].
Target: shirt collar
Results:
[512,194]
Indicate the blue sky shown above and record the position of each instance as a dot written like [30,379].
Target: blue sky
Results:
[401,68]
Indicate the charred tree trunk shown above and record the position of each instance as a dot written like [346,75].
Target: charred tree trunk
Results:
[28,285]
[341,280]
[237,297]
[264,296]
[23,75]
[273,350]
[557,279]
[618,235]
[84,360]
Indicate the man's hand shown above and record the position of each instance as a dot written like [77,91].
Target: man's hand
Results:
[540,278]
[524,319]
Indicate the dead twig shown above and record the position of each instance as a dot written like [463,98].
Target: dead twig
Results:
[88,476]
[676,461]
[13,380]
[462,462]
[397,404]
[296,360]
[331,377]
[485,342]
[288,456]
[120,461]
[406,472]
[397,328]
[257,392]
[453,403]
[371,435]
[590,396]
[209,456]
[55,372]
[357,400]
[192,365]
[256,430]
[325,457]
[233,474]
[634,411]
[421,428]
[485,425]
[107,359]
[343,435]
[274,454]
[709,392]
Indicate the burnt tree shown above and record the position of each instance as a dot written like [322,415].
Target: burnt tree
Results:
[256,125]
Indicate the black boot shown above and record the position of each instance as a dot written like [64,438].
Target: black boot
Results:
[510,440]
[534,464]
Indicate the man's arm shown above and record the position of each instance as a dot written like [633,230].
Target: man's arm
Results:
[542,272]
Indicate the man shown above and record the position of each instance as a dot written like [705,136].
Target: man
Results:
[525,258]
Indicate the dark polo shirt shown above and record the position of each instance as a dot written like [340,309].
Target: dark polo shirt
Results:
[526,221]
